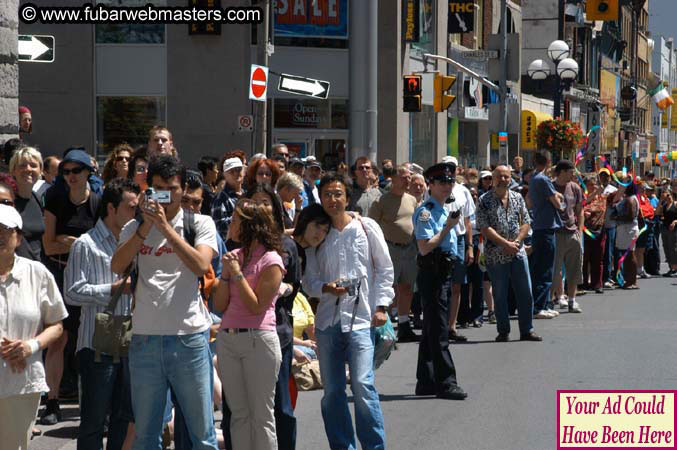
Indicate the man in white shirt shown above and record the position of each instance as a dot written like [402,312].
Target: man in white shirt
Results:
[460,200]
[352,274]
[169,345]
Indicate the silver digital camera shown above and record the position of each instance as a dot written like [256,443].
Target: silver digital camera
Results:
[158,196]
[350,284]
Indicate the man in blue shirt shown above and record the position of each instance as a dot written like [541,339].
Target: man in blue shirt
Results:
[436,241]
[545,203]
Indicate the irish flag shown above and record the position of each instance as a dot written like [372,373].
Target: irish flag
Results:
[661,97]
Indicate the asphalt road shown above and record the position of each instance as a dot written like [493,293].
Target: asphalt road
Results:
[623,340]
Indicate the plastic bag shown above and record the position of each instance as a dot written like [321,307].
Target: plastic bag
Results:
[384,342]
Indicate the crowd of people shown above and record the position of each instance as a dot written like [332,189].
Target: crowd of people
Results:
[237,271]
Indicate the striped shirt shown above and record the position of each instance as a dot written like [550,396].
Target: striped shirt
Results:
[88,279]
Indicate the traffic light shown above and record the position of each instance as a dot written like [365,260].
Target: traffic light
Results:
[412,93]
[601,10]
[442,84]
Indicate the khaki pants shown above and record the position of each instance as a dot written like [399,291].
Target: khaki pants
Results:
[17,414]
[568,254]
[248,366]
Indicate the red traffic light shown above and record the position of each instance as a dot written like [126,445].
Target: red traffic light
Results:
[412,85]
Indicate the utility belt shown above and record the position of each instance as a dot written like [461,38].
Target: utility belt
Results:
[436,261]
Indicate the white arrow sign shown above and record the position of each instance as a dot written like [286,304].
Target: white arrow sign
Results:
[303,86]
[36,48]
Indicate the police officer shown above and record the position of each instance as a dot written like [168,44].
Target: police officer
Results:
[436,240]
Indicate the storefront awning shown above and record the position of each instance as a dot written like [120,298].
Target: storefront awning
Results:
[530,122]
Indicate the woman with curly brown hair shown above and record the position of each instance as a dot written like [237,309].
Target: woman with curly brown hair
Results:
[262,171]
[117,164]
[247,346]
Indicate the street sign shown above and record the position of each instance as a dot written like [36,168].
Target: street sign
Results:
[258,83]
[245,123]
[36,48]
[461,18]
[303,86]
[480,54]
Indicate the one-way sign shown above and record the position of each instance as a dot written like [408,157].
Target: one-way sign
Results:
[36,48]
[303,86]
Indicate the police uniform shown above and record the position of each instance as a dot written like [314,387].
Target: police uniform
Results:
[436,374]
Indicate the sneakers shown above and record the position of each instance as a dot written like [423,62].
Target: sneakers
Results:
[52,413]
[491,317]
[609,285]
[543,314]
[405,333]
[552,312]
[642,274]
[563,302]
[574,308]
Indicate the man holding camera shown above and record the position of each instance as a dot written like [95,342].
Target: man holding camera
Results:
[169,345]
[352,274]
[437,247]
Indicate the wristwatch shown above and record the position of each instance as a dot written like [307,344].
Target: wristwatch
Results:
[238,277]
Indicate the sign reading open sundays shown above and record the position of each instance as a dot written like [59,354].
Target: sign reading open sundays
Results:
[311,18]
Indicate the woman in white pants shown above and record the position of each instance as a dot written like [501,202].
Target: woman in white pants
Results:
[247,346]
[31,311]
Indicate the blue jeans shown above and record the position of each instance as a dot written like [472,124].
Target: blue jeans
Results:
[356,347]
[609,253]
[541,267]
[104,387]
[183,363]
[515,273]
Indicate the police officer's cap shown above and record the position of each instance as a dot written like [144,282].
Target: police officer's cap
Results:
[445,171]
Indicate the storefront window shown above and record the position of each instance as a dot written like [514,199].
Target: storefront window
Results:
[130,33]
[321,114]
[126,119]
[422,143]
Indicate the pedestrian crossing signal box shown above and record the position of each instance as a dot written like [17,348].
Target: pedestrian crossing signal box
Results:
[441,84]
[602,10]
[412,93]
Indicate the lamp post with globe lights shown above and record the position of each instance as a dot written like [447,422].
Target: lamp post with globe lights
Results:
[566,70]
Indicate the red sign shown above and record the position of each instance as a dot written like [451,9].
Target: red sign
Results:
[259,82]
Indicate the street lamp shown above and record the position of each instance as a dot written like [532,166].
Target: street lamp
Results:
[566,70]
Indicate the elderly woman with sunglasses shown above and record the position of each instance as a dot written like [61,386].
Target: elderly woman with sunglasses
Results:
[34,309]
[70,211]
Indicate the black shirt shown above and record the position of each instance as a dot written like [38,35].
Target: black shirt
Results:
[33,227]
[669,215]
[283,306]
[72,220]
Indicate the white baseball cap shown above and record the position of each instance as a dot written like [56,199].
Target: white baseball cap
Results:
[450,160]
[232,163]
[485,173]
[10,217]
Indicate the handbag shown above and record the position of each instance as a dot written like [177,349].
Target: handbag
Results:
[112,334]
[307,375]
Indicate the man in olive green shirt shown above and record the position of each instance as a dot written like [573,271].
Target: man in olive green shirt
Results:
[394,211]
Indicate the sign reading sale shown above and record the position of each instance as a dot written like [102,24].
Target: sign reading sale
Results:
[258,83]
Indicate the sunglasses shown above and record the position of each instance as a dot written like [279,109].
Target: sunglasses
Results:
[6,202]
[122,158]
[75,171]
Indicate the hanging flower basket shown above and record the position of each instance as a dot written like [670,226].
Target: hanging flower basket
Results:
[561,136]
